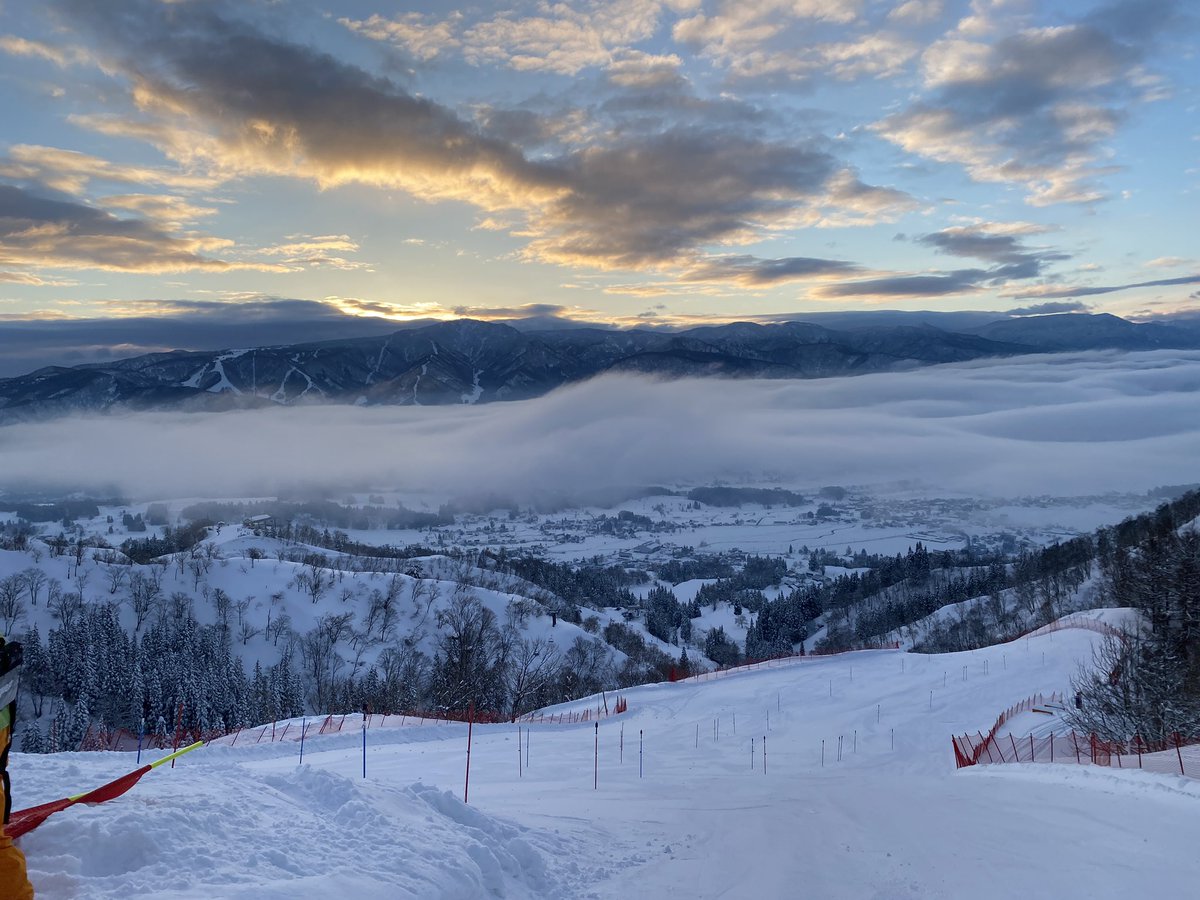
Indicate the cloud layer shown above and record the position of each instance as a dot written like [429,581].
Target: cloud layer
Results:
[1037,106]
[710,151]
[652,183]
[1064,425]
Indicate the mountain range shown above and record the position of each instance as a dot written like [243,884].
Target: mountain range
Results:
[470,361]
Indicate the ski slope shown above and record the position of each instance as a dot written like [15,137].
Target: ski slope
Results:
[891,819]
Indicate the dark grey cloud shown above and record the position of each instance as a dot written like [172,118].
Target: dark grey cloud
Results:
[44,232]
[215,87]
[979,243]
[754,271]
[272,103]
[649,200]
[1094,290]
[997,243]
[960,281]
[1014,260]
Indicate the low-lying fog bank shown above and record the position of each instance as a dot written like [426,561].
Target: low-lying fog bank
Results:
[1067,424]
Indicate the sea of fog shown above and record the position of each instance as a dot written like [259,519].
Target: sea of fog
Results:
[1064,424]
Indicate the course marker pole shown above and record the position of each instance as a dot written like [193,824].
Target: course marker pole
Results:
[470,728]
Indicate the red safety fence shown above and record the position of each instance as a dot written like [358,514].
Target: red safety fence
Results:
[98,737]
[775,661]
[1075,621]
[333,723]
[967,750]
[1177,754]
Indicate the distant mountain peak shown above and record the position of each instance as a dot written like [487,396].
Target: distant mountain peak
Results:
[473,361]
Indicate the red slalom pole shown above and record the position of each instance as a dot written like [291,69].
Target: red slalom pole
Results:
[596,761]
[764,754]
[470,726]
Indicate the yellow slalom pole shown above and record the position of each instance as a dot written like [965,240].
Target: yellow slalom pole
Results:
[176,754]
[165,759]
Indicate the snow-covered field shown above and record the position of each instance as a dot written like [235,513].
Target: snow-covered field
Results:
[692,813]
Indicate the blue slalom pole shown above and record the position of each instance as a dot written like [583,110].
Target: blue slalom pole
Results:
[364,748]
[303,728]
[639,753]
[141,731]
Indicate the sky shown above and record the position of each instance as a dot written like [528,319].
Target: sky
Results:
[636,162]
[1071,424]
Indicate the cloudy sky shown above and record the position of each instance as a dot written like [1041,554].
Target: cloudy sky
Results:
[634,161]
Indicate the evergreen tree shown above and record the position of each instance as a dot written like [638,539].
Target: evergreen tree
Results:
[32,740]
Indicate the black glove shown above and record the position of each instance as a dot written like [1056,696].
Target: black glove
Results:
[11,654]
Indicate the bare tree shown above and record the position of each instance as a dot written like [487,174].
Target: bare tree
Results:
[179,606]
[473,655]
[53,592]
[242,606]
[587,668]
[67,607]
[405,672]
[314,582]
[247,631]
[35,580]
[277,627]
[144,596]
[117,576]
[533,668]
[199,567]
[322,662]
[157,571]
[432,595]
[82,577]
[12,603]
[360,643]
[222,603]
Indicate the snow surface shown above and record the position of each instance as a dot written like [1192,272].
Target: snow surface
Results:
[892,819]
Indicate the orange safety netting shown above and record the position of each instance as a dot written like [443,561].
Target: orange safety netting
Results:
[25,820]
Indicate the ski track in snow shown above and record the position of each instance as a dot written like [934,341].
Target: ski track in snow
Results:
[704,821]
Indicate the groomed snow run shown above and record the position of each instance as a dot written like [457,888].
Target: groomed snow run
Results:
[891,819]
